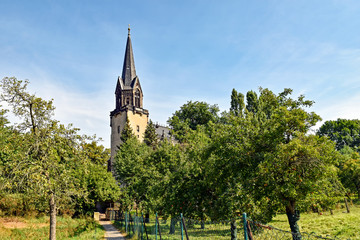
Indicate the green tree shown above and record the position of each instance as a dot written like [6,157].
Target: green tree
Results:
[293,172]
[150,137]
[99,185]
[237,103]
[350,170]
[247,148]
[168,168]
[194,114]
[344,132]
[40,165]
[131,172]
[252,102]
[127,132]
[97,154]
[52,161]
[9,146]
[191,115]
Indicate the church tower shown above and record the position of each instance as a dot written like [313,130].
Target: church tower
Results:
[128,103]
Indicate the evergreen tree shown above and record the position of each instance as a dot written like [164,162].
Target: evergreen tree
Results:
[150,137]
[127,132]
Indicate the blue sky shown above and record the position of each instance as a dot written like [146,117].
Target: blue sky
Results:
[73,51]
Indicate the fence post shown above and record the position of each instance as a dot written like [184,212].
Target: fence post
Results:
[142,227]
[138,226]
[156,226]
[182,227]
[245,226]
[126,222]
[347,206]
[158,222]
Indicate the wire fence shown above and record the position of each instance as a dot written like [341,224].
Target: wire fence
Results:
[256,230]
[179,227]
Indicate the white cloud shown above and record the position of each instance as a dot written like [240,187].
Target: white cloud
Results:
[88,111]
[347,108]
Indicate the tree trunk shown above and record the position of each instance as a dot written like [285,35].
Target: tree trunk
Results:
[52,235]
[147,217]
[172,226]
[293,218]
[202,224]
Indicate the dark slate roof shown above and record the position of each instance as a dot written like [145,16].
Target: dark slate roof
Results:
[128,73]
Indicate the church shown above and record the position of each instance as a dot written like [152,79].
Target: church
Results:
[129,105]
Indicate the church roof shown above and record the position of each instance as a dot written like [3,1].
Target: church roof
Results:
[128,73]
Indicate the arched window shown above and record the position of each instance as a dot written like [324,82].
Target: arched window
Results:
[118,101]
[137,98]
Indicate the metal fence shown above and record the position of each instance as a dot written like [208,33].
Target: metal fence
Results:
[179,227]
[255,230]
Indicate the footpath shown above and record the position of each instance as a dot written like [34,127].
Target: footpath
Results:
[111,232]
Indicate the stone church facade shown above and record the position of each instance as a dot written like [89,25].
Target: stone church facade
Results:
[129,105]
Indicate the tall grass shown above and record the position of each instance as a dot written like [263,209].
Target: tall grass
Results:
[38,228]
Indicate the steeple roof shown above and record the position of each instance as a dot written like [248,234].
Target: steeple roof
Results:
[128,73]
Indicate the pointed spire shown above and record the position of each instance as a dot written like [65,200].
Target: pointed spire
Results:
[128,73]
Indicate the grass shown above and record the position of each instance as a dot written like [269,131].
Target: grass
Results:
[211,231]
[32,228]
[341,225]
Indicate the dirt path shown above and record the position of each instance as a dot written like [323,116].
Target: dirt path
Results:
[111,232]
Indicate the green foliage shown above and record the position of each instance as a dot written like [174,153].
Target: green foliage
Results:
[191,115]
[265,157]
[350,170]
[9,147]
[99,186]
[150,137]
[258,159]
[167,161]
[127,132]
[252,102]
[97,154]
[131,173]
[237,103]
[46,164]
[300,170]
[342,131]
[34,111]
